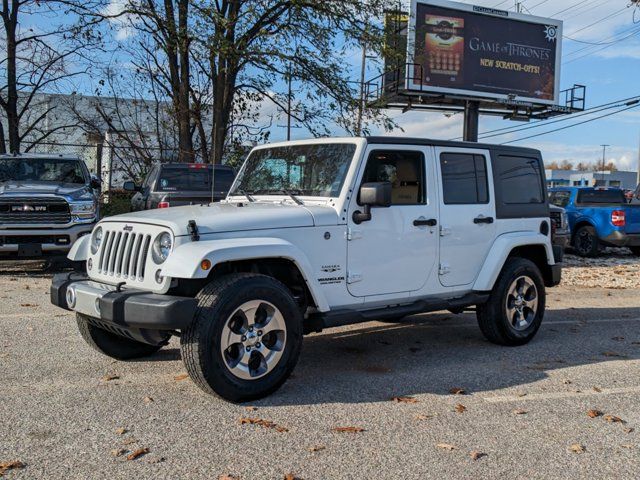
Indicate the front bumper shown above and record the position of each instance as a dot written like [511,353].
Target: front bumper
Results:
[125,309]
[622,239]
[48,241]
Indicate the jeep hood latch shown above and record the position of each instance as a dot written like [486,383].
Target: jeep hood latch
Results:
[192,230]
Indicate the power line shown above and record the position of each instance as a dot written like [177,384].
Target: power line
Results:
[601,42]
[635,105]
[538,4]
[541,123]
[601,48]
[573,6]
[600,20]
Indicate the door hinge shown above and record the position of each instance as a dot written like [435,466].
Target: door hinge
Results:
[444,231]
[353,234]
[353,277]
[444,269]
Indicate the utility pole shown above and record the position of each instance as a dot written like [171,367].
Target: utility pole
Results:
[518,6]
[604,152]
[361,100]
[289,94]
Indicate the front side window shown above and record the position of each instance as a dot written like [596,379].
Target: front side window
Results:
[560,199]
[316,170]
[48,170]
[464,178]
[403,169]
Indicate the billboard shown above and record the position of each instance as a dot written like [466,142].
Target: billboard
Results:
[473,51]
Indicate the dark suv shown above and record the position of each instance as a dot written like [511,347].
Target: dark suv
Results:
[175,184]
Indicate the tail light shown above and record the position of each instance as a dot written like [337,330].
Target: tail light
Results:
[163,205]
[618,218]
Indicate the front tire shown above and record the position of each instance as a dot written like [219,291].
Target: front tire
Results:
[586,242]
[245,339]
[513,314]
[112,345]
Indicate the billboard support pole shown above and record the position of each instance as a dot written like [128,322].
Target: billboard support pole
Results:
[471,120]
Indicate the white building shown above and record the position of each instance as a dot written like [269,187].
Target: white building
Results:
[575,178]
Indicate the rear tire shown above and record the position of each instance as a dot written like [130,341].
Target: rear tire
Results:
[513,314]
[245,339]
[586,242]
[112,345]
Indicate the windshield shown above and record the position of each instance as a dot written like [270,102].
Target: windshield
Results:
[55,170]
[315,170]
[174,179]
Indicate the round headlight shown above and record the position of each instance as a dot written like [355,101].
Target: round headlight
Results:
[96,240]
[161,247]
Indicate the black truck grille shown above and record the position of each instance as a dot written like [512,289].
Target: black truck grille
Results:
[556,219]
[34,210]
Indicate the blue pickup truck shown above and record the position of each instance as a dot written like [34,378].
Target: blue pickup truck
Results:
[599,217]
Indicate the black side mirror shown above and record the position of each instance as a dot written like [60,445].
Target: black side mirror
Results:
[130,186]
[95,182]
[376,194]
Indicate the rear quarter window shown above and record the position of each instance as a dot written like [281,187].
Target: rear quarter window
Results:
[594,197]
[520,184]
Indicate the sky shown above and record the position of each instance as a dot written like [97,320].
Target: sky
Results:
[609,74]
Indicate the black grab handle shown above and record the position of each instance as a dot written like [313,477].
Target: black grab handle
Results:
[422,222]
[483,220]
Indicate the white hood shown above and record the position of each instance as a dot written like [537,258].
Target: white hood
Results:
[232,217]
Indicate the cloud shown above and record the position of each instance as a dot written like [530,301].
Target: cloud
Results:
[124,24]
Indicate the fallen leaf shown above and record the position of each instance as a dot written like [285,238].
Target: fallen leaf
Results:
[10,465]
[109,377]
[446,446]
[130,441]
[626,445]
[316,448]
[182,376]
[118,452]
[457,391]
[153,460]
[404,400]
[291,476]
[460,408]
[476,455]
[137,453]
[148,400]
[597,389]
[628,430]
[250,408]
[29,305]
[228,477]
[520,411]
[613,419]
[577,448]
[348,429]
[522,394]
[422,416]
[263,423]
[594,413]
[121,431]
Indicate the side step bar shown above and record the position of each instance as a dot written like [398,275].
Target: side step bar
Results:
[318,321]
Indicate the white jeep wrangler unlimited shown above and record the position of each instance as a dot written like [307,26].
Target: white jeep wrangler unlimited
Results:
[316,234]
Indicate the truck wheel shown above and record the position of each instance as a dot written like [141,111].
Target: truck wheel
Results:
[515,308]
[113,345]
[245,338]
[586,242]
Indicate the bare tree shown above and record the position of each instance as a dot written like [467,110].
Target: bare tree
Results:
[41,59]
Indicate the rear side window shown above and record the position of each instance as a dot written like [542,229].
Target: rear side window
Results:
[600,196]
[560,199]
[464,178]
[193,179]
[520,180]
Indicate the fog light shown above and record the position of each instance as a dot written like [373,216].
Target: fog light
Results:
[205,264]
[159,277]
[71,297]
[97,306]
[90,264]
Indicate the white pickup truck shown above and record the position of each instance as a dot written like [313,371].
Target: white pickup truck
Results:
[317,234]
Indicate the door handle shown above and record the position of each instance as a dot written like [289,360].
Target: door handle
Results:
[423,222]
[482,219]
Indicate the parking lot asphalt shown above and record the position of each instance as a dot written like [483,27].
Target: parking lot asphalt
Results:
[563,406]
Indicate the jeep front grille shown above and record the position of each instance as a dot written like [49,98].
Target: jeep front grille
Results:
[556,219]
[124,255]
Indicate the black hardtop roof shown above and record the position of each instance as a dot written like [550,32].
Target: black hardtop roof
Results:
[448,143]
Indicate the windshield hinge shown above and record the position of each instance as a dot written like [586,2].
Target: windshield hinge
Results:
[192,229]
[444,269]
[444,231]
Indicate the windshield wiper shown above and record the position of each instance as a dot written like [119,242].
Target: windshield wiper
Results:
[246,194]
[293,197]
